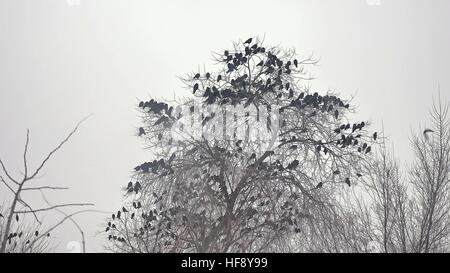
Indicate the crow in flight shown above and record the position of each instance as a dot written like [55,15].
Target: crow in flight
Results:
[426,132]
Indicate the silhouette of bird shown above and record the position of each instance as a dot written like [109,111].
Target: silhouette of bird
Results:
[260,63]
[347,181]
[293,165]
[107,229]
[36,233]
[130,185]
[320,185]
[291,93]
[336,172]
[17,217]
[1,215]
[296,63]
[141,131]
[132,215]
[358,175]
[208,75]
[375,135]
[336,114]
[195,87]
[219,78]
[124,210]
[253,156]
[426,132]
[249,40]
[113,216]
[197,76]
[368,150]
[118,214]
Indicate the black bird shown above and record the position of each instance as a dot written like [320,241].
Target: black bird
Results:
[197,76]
[320,185]
[118,214]
[141,131]
[426,132]
[195,87]
[260,63]
[124,210]
[134,205]
[336,172]
[17,217]
[109,224]
[113,216]
[219,78]
[36,233]
[249,40]
[347,181]
[253,156]
[208,75]
[358,175]
[132,215]
[1,215]
[293,165]
[368,150]
[139,205]
[375,135]
[107,229]
[130,185]
[291,93]
[169,112]
[336,114]
[296,63]
[172,157]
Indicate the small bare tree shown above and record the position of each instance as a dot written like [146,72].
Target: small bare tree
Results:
[430,178]
[15,237]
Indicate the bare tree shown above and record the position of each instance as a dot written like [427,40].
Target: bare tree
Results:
[29,238]
[430,178]
[222,188]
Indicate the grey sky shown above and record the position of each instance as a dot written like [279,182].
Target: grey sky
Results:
[61,62]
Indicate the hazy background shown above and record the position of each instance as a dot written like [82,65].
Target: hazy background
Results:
[61,60]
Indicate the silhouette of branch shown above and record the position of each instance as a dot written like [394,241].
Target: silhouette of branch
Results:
[56,149]
[7,174]
[53,207]
[45,188]
[25,154]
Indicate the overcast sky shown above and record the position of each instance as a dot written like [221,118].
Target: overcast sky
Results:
[61,60]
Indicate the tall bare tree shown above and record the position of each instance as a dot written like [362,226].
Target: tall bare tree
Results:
[245,165]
